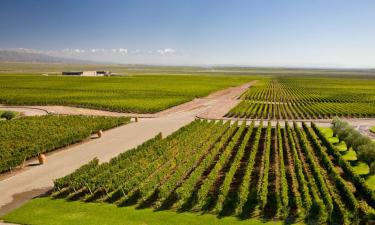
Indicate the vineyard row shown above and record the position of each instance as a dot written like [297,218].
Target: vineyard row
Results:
[230,169]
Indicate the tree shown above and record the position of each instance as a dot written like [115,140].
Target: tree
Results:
[351,138]
[372,168]
[361,140]
[343,133]
[337,125]
[366,153]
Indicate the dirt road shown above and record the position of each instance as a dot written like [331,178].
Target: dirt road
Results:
[33,181]
[215,105]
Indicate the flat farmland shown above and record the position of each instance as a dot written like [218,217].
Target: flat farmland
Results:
[137,94]
[227,169]
[308,98]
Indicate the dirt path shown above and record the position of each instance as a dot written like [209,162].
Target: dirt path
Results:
[218,104]
[35,180]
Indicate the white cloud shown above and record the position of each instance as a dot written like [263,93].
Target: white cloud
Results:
[95,50]
[73,50]
[122,51]
[166,51]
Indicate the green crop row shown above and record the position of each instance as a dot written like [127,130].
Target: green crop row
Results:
[307,98]
[289,110]
[138,94]
[229,169]
[41,134]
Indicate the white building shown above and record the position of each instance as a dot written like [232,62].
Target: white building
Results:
[87,73]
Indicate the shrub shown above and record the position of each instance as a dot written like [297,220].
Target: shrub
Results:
[8,115]
[338,125]
[343,133]
[366,153]
[372,168]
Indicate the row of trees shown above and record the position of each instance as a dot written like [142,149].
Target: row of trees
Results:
[363,145]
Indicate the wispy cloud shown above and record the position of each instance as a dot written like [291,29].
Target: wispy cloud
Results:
[166,51]
[93,51]
[73,51]
[97,50]
[117,55]
[123,51]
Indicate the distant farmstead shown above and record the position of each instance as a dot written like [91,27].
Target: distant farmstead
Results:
[87,73]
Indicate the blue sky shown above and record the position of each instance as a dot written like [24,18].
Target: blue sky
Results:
[313,33]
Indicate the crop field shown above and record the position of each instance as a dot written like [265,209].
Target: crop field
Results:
[286,172]
[308,98]
[138,94]
[27,137]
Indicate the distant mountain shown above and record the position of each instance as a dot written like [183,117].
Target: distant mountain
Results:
[21,56]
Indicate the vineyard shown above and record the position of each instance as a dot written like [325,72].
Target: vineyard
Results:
[24,138]
[138,94]
[307,98]
[244,170]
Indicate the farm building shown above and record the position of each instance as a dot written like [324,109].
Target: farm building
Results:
[87,73]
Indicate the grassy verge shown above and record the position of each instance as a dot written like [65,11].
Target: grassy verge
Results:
[372,129]
[47,211]
[360,168]
[371,182]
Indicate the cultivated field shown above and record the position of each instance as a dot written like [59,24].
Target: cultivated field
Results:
[138,94]
[284,172]
[24,138]
[308,98]
[232,172]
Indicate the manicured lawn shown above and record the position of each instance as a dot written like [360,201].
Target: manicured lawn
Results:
[334,140]
[45,211]
[327,131]
[371,182]
[329,134]
[350,155]
[361,168]
[341,146]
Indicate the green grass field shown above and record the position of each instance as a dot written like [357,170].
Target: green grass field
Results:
[140,94]
[349,155]
[46,211]
[359,168]
[371,182]
[372,129]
